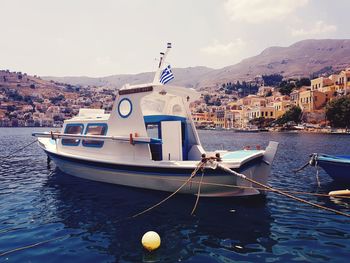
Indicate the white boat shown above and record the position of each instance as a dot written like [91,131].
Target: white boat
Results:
[150,141]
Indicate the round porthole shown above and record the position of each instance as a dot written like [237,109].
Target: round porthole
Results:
[124,108]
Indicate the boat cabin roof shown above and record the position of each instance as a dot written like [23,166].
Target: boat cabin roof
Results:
[161,101]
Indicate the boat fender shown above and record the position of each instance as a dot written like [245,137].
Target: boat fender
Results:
[339,192]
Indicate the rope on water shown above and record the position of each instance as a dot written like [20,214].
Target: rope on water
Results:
[226,169]
[317,173]
[32,245]
[4,158]
[301,168]
[311,162]
[199,166]
[198,193]
[242,187]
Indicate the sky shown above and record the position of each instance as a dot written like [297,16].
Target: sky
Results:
[104,37]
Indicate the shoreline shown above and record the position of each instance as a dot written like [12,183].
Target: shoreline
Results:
[225,130]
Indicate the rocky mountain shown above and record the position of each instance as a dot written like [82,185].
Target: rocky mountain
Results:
[188,77]
[298,60]
[21,84]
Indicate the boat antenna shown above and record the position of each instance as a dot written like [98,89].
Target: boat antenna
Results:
[161,64]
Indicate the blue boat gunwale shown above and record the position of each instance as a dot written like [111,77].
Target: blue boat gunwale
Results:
[343,159]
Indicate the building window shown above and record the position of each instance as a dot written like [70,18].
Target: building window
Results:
[95,129]
[74,129]
[271,113]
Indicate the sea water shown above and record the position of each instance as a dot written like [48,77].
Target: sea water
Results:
[83,221]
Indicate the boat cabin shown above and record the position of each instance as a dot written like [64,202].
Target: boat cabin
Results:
[148,122]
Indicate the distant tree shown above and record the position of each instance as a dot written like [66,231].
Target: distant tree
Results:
[28,99]
[206,99]
[338,112]
[15,96]
[269,94]
[261,122]
[286,87]
[303,82]
[293,114]
[328,70]
[272,80]
[57,118]
[57,99]
[217,102]
[10,108]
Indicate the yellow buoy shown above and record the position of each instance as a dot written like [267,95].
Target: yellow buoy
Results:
[151,240]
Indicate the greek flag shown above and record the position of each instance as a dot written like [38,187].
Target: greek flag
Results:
[167,75]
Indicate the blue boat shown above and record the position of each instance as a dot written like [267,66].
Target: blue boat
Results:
[337,166]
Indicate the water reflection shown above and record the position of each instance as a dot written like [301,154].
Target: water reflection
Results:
[97,210]
[334,202]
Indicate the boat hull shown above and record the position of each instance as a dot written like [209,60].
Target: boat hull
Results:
[340,172]
[165,179]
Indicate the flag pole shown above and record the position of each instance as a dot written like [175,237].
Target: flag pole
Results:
[161,64]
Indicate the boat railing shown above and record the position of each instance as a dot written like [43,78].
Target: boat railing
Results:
[130,139]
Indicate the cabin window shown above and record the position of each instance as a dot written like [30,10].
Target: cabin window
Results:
[95,129]
[72,129]
[153,131]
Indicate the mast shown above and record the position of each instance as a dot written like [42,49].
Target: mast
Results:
[161,64]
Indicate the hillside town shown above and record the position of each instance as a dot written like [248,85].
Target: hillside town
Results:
[269,104]
[29,101]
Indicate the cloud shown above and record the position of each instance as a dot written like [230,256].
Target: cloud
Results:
[220,49]
[319,28]
[257,11]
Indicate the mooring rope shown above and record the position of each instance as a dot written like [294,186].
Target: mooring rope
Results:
[32,245]
[4,158]
[226,169]
[301,168]
[317,173]
[311,162]
[199,166]
[242,186]
[198,193]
